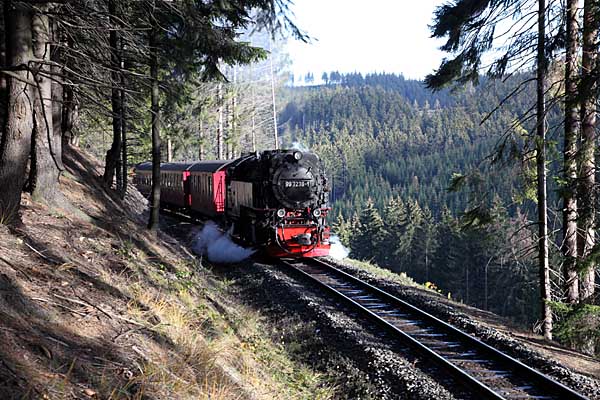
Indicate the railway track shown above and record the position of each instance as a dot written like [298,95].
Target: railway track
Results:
[475,365]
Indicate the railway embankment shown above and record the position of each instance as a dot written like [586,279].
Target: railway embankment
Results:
[93,306]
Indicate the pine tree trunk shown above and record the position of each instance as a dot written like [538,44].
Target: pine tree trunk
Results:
[57,96]
[589,93]
[114,153]
[124,164]
[569,245]
[155,195]
[253,131]
[69,116]
[3,80]
[45,168]
[69,105]
[220,122]
[275,133]
[169,150]
[253,117]
[229,140]
[253,127]
[543,262]
[234,139]
[201,140]
[119,166]
[16,141]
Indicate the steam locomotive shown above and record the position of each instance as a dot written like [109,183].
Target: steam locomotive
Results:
[275,199]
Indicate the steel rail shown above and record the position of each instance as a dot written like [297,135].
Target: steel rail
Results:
[547,384]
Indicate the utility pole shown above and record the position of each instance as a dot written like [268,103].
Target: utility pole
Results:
[273,94]
[543,262]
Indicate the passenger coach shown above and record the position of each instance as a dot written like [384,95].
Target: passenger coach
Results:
[199,186]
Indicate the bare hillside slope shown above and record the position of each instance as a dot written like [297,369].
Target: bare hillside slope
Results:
[93,306]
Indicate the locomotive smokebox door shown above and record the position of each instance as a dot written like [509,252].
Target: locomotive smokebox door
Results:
[295,186]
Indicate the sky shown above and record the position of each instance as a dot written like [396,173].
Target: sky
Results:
[360,36]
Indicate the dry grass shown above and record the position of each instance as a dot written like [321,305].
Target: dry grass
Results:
[219,355]
[383,273]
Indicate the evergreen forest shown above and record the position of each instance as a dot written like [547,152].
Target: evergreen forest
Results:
[393,149]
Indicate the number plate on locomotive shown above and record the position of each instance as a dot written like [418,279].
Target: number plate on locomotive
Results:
[296,184]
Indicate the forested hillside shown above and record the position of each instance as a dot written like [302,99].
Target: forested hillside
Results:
[384,136]
[392,148]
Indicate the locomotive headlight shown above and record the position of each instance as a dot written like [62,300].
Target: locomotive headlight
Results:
[281,213]
[298,155]
[317,212]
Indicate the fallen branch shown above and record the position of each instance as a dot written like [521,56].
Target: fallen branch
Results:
[59,305]
[93,305]
[111,315]
[41,255]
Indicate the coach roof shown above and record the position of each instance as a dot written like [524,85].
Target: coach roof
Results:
[199,166]
[209,166]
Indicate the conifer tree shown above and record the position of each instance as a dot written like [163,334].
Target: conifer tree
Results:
[447,257]
[368,243]
[405,251]
[16,137]
[395,217]
[587,189]
[355,232]
[342,229]
[470,29]
[569,245]
[425,245]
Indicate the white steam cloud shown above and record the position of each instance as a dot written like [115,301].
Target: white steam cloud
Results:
[337,250]
[218,247]
[299,146]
